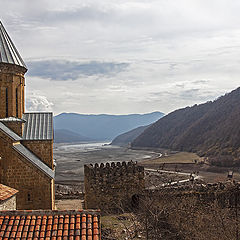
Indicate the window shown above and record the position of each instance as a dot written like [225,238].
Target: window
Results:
[16,102]
[6,102]
[29,197]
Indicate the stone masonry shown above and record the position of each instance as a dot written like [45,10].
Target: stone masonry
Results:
[112,186]
[26,144]
[35,188]
[9,204]
[12,90]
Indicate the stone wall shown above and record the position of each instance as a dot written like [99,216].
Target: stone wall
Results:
[9,204]
[42,149]
[12,79]
[112,186]
[36,190]
[224,195]
[15,126]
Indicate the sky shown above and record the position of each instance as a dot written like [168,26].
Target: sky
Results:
[125,56]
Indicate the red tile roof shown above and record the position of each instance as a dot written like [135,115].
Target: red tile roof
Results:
[54,225]
[6,192]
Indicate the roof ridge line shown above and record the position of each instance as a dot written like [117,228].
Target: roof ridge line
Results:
[36,161]
[9,132]
[8,52]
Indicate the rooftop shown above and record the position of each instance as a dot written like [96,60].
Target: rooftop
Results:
[38,126]
[27,154]
[9,132]
[82,225]
[34,160]
[8,52]
[11,119]
[6,192]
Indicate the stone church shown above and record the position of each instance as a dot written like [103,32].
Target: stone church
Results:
[26,139]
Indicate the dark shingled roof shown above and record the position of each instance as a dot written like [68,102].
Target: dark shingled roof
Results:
[38,126]
[54,225]
[8,52]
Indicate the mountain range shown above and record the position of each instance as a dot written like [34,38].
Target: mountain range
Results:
[102,127]
[210,129]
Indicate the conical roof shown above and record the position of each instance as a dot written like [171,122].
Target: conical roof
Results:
[8,52]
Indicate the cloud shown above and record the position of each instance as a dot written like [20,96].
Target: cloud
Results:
[70,70]
[125,55]
[37,102]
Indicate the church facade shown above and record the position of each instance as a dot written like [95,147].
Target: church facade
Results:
[26,139]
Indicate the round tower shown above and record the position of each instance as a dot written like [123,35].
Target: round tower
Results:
[12,81]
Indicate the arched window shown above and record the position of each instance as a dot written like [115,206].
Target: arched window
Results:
[6,102]
[16,102]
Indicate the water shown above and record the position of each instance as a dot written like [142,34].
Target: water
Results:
[84,147]
[71,158]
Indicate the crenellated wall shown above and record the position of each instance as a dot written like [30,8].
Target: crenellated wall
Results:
[112,186]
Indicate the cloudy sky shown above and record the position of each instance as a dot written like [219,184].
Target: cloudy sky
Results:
[125,56]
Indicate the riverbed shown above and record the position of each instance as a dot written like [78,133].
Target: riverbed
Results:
[71,158]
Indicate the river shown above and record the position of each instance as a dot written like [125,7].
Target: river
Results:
[70,158]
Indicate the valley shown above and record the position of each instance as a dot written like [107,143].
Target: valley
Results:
[70,159]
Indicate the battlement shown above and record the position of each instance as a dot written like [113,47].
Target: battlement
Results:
[113,182]
[113,169]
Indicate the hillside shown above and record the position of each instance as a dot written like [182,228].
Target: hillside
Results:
[103,126]
[210,129]
[126,138]
[66,136]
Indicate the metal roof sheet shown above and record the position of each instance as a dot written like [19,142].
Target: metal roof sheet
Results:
[9,132]
[34,160]
[11,119]
[38,126]
[8,52]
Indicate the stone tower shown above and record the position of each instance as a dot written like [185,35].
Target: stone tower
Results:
[12,70]
[26,139]
[114,186]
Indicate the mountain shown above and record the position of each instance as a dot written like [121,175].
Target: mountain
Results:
[103,126]
[210,129]
[126,138]
[66,136]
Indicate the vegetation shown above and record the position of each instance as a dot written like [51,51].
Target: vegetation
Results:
[210,130]
[126,138]
[211,214]
[180,157]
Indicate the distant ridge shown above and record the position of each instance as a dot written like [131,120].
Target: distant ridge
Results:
[126,138]
[66,136]
[103,126]
[211,129]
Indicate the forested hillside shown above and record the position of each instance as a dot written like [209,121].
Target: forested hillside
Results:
[126,138]
[211,129]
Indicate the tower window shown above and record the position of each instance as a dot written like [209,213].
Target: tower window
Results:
[16,102]
[6,102]
[29,197]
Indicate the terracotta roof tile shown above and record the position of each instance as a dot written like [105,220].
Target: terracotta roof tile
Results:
[6,192]
[54,225]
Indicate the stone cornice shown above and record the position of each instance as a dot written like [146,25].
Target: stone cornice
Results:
[12,69]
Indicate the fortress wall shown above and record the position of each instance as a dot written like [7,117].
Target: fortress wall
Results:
[112,186]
